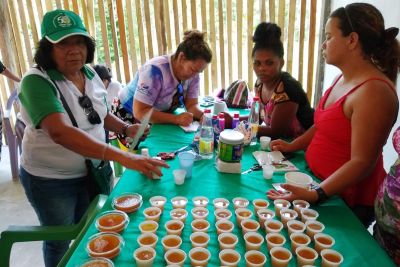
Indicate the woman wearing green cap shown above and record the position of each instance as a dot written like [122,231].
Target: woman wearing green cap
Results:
[63,104]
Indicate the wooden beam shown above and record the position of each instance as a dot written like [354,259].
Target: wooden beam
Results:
[221,43]
[114,38]
[103,25]
[229,33]
[213,41]
[290,36]
[176,22]
[167,26]
[194,15]
[141,36]
[184,15]
[239,11]
[27,42]
[148,29]
[122,40]
[302,31]
[131,34]
[204,29]
[311,48]
[272,17]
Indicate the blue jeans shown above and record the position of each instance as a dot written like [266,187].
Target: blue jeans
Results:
[56,202]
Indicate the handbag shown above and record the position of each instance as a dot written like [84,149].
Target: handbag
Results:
[99,178]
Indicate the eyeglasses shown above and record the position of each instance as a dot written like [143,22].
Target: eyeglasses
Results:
[180,95]
[348,20]
[87,105]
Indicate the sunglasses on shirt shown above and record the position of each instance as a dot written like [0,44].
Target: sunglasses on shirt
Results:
[87,105]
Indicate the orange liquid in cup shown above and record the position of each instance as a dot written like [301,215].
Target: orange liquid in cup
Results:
[97,263]
[300,206]
[199,256]
[174,226]
[145,255]
[306,254]
[282,255]
[111,220]
[275,239]
[230,257]
[332,257]
[200,225]
[104,246]
[300,240]
[250,225]
[176,257]
[200,239]
[296,226]
[147,240]
[255,259]
[261,204]
[152,212]
[253,239]
[273,226]
[222,214]
[224,226]
[228,240]
[244,214]
[148,227]
[324,240]
[315,227]
[171,242]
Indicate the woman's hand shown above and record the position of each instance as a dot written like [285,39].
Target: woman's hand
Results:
[280,145]
[145,165]
[184,119]
[293,192]
[132,130]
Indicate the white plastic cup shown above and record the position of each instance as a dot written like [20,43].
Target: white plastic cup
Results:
[323,241]
[305,256]
[280,256]
[186,160]
[255,258]
[175,256]
[331,258]
[229,257]
[227,240]
[142,261]
[199,256]
[199,239]
[253,241]
[179,176]
[264,142]
[171,241]
[268,171]
[275,240]
[299,240]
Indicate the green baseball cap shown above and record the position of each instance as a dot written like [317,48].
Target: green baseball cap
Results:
[60,24]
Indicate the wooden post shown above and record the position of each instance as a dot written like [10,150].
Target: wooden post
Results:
[122,35]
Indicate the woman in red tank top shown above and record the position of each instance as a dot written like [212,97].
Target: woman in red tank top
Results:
[354,117]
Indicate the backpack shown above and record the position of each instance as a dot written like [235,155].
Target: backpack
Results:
[237,94]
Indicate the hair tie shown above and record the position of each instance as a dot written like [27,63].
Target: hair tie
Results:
[390,33]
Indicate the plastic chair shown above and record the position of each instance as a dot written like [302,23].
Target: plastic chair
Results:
[16,233]
[13,134]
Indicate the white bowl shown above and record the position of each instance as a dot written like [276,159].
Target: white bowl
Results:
[298,179]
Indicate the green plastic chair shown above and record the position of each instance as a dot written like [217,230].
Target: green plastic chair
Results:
[16,233]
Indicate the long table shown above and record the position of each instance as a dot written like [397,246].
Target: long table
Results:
[353,241]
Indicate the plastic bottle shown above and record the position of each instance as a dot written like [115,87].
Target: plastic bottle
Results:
[221,121]
[206,142]
[216,129]
[235,120]
[254,119]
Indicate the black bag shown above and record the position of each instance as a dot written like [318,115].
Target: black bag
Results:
[99,179]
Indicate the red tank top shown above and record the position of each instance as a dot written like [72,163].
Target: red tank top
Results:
[330,148]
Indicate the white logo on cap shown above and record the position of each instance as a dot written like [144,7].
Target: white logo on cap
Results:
[63,21]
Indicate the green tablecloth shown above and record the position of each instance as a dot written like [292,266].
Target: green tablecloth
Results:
[352,240]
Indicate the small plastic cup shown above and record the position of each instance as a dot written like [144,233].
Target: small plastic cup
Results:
[227,240]
[249,225]
[298,240]
[199,239]
[273,226]
[200,225]
[147,239]
[280,204]
[200,201]
[158,201]
[264,142]
[186,160]
[127,202]
[253,241]
[105,245]
[287,215]
[313,228]
[308,215]
[260,203]
[323,241]
[240,202]
[175,256]
[179,202]
[275,240]
[199,256]
[268,171]
[112,221]
[255,258]
[331,258]
[224,226]
[178,214]
[144,256]
[220,203]
[241,214]
[148,227]
[280,257]
[152,214]
[264,215]
[295,226]
[222,214]
[199,213]
[174,227]
[306,256]
[179,176]
[229,257]
[298,179]
[300,204]
[97,262]
[171,241]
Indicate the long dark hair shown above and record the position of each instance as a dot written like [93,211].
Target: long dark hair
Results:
[194,46]
[377,43]
[44,48]
[268,36]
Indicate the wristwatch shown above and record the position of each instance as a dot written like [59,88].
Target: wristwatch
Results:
[322,196]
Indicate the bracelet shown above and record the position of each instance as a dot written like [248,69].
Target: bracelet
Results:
[322,196]
[104,152]
[124,128]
